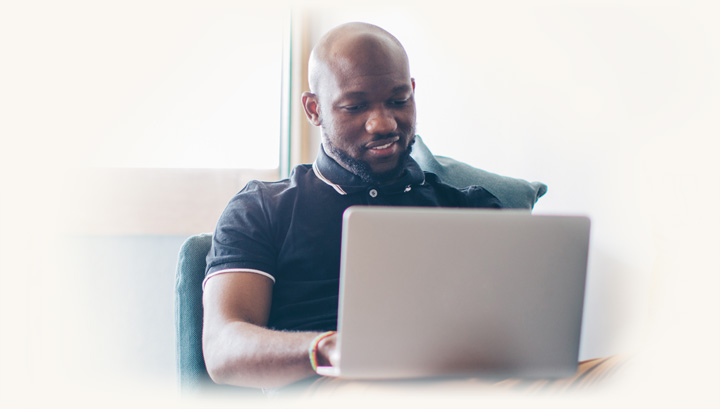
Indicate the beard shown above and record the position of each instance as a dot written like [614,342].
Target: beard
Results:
[363,170]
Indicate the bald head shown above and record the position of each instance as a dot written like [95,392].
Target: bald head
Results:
[352,46]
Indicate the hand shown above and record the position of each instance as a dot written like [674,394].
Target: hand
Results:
[328,353]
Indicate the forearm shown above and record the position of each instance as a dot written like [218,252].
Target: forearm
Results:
[248,355]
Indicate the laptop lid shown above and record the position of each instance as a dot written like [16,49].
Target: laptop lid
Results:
[438,291]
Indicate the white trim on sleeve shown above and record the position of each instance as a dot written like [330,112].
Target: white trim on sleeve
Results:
[237,270]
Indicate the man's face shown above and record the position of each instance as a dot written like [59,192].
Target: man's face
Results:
[367,113]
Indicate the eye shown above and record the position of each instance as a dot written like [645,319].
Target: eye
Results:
[353,108]
[399,102]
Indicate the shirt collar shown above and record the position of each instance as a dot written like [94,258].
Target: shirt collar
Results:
[345,182]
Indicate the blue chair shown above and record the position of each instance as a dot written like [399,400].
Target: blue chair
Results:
[191,370]
[513,193]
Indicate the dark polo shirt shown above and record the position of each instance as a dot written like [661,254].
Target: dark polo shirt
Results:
[290,231]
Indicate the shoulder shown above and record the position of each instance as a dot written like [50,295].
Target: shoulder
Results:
[478,196]
[470,196]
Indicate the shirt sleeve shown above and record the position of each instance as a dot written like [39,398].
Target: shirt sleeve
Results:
[243,236]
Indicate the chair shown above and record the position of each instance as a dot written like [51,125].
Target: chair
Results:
[513,193]
[191,370]
[192,373]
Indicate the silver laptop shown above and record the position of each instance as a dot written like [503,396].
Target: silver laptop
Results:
[433,292]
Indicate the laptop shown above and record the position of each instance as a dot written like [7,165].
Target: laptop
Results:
[428,292]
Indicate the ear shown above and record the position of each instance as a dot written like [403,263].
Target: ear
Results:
[412,81]
[311,107]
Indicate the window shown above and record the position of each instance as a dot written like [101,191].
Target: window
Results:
[181,107]
[203,92]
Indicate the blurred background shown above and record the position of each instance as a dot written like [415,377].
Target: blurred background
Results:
[126,127]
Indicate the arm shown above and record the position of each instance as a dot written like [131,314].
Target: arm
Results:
[239,350]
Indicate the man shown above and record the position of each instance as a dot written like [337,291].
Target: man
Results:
[273,271]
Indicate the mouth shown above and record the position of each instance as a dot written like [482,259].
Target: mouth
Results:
[382,143]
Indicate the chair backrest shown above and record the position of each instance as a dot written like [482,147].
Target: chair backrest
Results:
[512,193]
[191,370]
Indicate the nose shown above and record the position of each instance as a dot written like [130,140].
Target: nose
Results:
[380,121]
